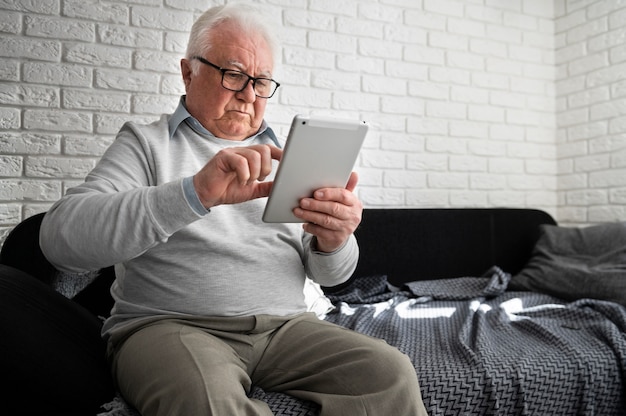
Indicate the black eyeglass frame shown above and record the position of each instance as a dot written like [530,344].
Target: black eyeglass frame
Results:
[250,78]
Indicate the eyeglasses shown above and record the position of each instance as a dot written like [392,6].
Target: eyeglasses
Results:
[237,81]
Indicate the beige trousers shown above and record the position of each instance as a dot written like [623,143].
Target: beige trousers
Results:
[207,367]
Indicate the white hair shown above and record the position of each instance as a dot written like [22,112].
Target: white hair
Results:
[247,18]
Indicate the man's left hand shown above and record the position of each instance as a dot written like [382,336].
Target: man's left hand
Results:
[331,215]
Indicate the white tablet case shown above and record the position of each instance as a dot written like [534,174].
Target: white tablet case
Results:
[320,152]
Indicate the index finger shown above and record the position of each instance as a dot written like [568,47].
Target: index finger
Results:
[274,152]
[268,153]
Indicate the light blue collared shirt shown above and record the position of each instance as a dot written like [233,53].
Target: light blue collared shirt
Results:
[182,115]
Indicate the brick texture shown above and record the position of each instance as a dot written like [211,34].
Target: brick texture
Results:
[591,109]
[471,103]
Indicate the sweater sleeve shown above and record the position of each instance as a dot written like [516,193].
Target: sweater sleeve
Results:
[330,269]
[118,213]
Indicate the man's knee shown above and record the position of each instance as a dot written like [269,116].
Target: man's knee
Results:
[389,365]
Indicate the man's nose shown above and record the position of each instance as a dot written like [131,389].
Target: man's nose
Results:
[248,93]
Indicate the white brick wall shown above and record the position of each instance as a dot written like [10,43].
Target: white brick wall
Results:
[590,59]
[472,103]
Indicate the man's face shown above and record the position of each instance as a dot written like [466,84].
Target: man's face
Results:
[228,114]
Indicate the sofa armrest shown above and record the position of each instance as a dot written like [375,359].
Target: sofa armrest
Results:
[21,250]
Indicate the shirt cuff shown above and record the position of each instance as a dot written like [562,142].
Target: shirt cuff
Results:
[314,249]
[192,197]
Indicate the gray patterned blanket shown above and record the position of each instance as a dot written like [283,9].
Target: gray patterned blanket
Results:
[480,350]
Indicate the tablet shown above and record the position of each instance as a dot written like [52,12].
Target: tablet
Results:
[320,152]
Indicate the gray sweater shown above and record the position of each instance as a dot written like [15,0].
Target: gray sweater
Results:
[170,259]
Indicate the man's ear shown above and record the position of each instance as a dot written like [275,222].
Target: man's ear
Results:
[185,70]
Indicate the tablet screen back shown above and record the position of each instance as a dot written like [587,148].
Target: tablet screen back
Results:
[319,153]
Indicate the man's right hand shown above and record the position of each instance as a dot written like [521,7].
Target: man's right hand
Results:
[236,174]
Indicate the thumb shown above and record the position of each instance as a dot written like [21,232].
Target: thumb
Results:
[262,189]
[352,181]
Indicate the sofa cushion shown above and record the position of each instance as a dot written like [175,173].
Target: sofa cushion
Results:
[574,263]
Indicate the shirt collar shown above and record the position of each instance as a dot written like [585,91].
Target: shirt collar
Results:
[181,115]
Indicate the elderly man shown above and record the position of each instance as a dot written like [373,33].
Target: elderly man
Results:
[208,298]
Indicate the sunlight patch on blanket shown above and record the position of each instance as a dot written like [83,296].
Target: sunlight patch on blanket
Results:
[408,310]
[477,305]
[382,307]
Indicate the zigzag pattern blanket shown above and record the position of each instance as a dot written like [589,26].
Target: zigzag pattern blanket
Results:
[479,350]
